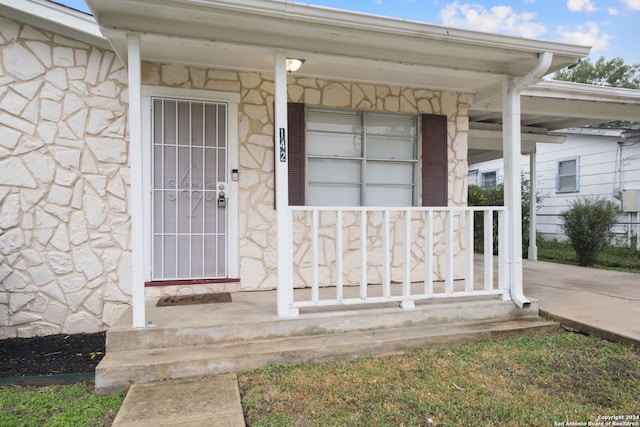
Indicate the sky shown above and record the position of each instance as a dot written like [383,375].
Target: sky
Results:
[611,27]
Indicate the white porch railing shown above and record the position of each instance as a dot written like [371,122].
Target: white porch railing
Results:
[345,256]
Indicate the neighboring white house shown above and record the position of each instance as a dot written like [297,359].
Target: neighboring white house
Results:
[590,163]
[173,149]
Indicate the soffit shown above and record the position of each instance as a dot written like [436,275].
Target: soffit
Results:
[553,105]
[336,44]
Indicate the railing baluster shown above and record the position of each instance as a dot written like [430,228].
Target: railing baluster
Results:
[503,235]
[468,280]
[386,257]
[314,255]
[488,249]
[458,225]
[448,236]
[363,254]
[407,301]
[339,255]
[428,253]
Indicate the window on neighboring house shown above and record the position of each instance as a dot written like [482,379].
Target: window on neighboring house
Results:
[567,176]
[489,179]
[363,158]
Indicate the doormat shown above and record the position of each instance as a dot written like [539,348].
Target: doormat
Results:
[194,299]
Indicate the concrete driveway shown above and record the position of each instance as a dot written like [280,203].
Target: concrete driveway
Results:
[601,302]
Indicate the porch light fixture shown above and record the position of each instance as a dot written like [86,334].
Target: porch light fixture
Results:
[293,64]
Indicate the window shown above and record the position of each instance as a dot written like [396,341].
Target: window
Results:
[567,176]
[366,158]
[359,158]
[489,179]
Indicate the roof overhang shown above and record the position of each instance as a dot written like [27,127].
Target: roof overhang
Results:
[548,106]
[336,44]
[56,18]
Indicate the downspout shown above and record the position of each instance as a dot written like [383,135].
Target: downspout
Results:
[512,192]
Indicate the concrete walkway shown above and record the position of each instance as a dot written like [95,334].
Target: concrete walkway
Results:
[600,302]
[206,402]
[604,303]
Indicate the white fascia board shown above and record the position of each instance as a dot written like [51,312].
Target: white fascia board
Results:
[55,18]
[394,26]
[587,92]
[589,131]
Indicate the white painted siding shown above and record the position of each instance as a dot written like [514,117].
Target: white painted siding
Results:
[604,170]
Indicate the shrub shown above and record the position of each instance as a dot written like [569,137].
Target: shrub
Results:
[587,224]
[494,196]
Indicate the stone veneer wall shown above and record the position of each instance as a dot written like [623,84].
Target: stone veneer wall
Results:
[257,232]
[64,182]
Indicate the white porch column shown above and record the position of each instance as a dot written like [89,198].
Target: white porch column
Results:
[284,240]
[135,165]
[533,244]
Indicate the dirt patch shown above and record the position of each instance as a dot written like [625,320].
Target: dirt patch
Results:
[52,354]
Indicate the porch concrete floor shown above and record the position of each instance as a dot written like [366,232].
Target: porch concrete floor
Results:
[593,301]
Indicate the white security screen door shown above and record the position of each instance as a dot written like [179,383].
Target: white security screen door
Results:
[189,185]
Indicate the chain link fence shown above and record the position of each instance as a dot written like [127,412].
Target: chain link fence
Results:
[625,231]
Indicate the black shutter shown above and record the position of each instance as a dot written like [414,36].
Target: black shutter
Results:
[435,162]
[296,153]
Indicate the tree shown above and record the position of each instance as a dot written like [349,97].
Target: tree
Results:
[613,73]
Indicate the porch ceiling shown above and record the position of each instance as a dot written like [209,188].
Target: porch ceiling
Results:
[336,44]
[545,107]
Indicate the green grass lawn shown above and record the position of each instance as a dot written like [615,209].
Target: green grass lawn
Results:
[527,381]
[612,258]
[531,381]
[74,405]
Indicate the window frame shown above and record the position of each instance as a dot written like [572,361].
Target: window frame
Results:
[363,158]
[576,175]
[495,181]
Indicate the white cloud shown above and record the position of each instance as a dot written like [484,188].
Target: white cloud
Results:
[529,1]
[612,11]
[498,19]
[581,6]
[632,4]
[586,35]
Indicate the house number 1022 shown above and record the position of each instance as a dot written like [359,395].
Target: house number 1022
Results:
[283,145]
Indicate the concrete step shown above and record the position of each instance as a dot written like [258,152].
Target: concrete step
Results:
[199,331]
[120,369]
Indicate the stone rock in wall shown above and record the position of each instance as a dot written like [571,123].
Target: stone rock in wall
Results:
[21,63]
[95,208]
[60,262]
[42,167]
[11,241]
[10,211]
[41,274]
[112,312]
[81,322]
[108,150]
[16,281]
[87,262]
[18,300]
[14,173]
[22,318]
